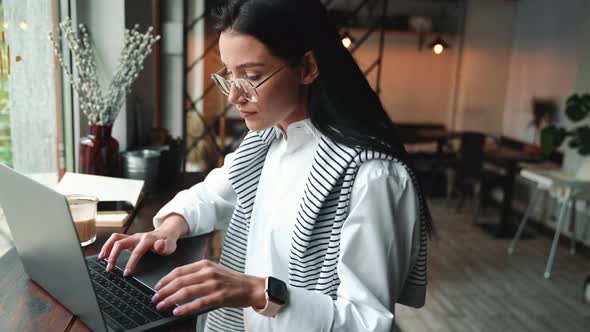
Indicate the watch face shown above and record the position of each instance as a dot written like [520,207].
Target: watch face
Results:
[277,290]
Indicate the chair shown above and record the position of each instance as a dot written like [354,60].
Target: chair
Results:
[567,189]
[587,289]
[466,169]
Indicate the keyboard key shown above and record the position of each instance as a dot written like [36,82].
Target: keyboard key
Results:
[124,300]
[112,323]
[127,323]
[139,319]
[152,316]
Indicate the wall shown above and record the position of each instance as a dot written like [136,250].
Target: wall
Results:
[511,52]
[484,69]
[415,85]
[106,23]
[144,97]
[544,60]
[572,158]
[418,86]
[582,85]
[551,59]
[172,64]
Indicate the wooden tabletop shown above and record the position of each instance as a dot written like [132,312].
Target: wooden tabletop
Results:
[504,153]
[25,306]
[436,133]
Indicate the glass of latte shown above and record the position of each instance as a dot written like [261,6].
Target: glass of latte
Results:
[83,210]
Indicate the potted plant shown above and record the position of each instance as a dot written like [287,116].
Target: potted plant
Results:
[577,110]
[544,111]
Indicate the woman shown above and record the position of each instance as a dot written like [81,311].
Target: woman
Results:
[328,227]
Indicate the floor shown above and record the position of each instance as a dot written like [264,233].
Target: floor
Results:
[475,286]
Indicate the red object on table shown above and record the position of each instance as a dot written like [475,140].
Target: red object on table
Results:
[99,152]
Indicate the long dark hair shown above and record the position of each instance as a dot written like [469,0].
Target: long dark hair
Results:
[342,104]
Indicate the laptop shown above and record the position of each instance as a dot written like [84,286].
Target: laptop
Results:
[47,243]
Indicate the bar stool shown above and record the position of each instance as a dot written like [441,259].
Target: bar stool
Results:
[567,189]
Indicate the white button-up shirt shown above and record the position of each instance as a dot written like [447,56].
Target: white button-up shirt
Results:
[378,246]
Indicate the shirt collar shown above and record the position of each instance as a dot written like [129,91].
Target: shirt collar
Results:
[304,125]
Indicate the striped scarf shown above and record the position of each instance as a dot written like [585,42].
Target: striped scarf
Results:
[315,244]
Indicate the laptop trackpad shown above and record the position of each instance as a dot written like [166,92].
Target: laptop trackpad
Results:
[153,267]
[150,269]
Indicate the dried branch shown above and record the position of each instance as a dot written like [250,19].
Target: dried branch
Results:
[99,108]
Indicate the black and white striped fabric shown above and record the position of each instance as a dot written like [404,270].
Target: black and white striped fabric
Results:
[315,244]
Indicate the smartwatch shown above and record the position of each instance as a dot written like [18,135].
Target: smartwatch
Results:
[276,297]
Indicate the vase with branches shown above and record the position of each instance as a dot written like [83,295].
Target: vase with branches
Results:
[99,151]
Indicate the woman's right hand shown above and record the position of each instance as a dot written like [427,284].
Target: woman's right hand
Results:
[162,241]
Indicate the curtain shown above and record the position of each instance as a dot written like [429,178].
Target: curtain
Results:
[32,93]
[32,86]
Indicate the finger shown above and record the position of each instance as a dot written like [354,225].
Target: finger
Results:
[181,282]
[107,246]
[140,250]
[165,247]
[187,293]
[181,271]
[160,246]
[117,248]
[200,304]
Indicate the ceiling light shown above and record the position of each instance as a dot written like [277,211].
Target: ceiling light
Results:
[438,46]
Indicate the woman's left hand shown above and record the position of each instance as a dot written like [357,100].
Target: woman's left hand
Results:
[214,285]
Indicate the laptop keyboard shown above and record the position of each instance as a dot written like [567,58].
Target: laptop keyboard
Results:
[125,302]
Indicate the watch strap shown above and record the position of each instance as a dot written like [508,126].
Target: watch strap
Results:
[271,308]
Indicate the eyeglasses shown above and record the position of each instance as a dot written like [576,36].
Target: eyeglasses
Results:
[245,88]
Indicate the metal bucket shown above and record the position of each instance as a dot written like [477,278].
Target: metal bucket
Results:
[142,165]
[170,164]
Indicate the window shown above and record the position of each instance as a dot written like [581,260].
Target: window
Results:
[29,114]
[5,141]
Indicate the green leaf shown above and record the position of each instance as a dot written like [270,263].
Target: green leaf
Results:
[572,99]
[577,107]
[585,103]
[582,135]
[551,139]
[574,143]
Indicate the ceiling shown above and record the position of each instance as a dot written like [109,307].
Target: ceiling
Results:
[444,14]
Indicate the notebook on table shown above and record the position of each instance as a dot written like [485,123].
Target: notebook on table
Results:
[105,189]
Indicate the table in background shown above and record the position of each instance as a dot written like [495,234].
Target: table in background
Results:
[430,151]
[508,159]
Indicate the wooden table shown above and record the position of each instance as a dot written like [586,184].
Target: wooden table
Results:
[508,159]
[25,306]
[427,150]
[440,136]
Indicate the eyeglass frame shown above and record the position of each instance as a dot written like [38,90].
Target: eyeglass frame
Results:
[232,84]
